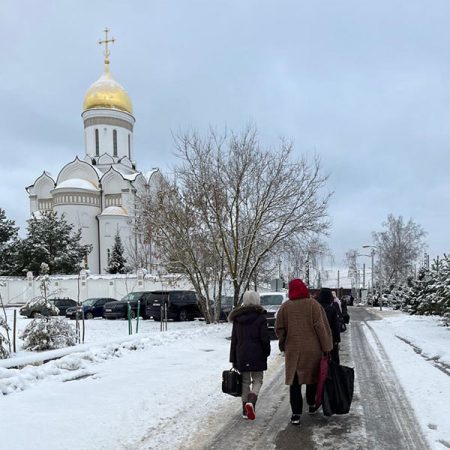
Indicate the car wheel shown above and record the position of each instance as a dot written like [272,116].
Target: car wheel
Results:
[183,315]
[157,319]
[89,316]
[34,314]
[132,315]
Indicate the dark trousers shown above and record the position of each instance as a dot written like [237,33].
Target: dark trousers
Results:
[295,393]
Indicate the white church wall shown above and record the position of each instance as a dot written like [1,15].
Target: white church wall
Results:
[17,291]
[84,217]
[109,225]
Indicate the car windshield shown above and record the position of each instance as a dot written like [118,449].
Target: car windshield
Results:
[274,299]
[89,302]
[226,301]
[132,296]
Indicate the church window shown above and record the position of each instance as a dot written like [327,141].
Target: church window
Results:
[108,255]
[129,146]
[114,142]
[97,143]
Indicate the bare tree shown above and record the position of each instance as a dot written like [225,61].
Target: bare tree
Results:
[351,261]
[400,245]
[304,256]
[233,203]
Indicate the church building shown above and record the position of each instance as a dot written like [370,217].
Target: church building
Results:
[97,192]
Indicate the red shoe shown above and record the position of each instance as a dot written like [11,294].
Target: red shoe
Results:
[250,411]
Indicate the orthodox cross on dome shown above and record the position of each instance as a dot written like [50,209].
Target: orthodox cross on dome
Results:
[105,42]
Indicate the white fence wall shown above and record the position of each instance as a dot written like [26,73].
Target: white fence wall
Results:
[20,290]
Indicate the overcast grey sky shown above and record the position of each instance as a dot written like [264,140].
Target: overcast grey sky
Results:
[365,85]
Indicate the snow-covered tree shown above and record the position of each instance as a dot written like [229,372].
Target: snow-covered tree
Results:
[5,345]
[117,261]
[5,341]
[42,301]
[47,332]
[399,245]
[9,242]
[437,300]
[52,240]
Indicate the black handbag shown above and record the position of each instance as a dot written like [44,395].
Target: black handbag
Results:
[338,390]
[232,382]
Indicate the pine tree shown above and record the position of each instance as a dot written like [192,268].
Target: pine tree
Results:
[52,240]
[9,242]
[117,262]
[439,302]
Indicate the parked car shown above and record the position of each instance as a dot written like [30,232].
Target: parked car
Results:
[119,309]
[271,302]
[181,305]
[33,308]
[92,307]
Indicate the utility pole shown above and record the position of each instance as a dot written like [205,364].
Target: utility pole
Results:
[364,276]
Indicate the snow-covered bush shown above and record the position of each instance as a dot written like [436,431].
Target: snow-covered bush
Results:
[44,332]
[48,333]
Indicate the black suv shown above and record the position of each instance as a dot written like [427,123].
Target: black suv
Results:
[92,307]
[119,310]
[33,308]
[181,305]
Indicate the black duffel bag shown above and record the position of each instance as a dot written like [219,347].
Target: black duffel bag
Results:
[232,382]
[338,390]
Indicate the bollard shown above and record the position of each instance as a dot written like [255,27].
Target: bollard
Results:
[137,315]
[130,330]
[14,330]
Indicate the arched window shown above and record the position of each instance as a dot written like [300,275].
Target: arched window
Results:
[97,143]
[129,146]
[108,255]
[114,142]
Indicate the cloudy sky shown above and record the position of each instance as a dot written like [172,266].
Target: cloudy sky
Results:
[363,84]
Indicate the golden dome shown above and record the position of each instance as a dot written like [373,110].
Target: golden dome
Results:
[107,93]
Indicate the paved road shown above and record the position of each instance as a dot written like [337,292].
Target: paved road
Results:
[380,418]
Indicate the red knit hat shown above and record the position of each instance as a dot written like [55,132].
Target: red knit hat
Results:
[297,289]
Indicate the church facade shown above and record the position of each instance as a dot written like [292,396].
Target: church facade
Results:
[98,192]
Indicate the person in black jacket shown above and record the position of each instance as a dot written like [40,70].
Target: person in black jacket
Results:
[250,347]
[326,299]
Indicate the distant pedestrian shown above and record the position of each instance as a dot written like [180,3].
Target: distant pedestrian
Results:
[304,336]
[337,301]
[326,299]
[250,347]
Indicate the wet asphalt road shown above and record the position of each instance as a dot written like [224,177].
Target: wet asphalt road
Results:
[380,417]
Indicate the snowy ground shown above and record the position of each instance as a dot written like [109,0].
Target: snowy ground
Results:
[152,390]
[419,349]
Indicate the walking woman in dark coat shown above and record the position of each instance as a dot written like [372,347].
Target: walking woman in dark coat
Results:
[326,299]
[250,347]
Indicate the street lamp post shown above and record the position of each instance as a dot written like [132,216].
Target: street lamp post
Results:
[364,270]
[373,249]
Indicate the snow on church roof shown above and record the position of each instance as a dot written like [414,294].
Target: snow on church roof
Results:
[114,211]
[77,183]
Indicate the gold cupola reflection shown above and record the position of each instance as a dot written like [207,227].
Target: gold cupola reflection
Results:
[106,92]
